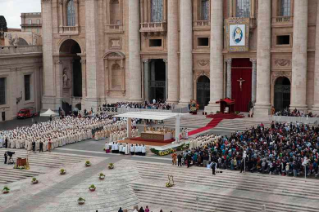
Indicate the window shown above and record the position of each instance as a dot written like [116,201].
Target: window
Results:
[285,8]
[70,13]
[27,87]
[204,13]
[283,40]
[2,91]
[155,42]
[30,21]
[115,13]
[38,21]
[243,8]
[203,42]
[156,10]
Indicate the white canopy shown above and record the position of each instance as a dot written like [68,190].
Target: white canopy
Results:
[149,115]
[48,113]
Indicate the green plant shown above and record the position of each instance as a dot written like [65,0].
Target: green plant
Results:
[87,162]
[34,179]
[81,199]
[6,188]
[102,175]
[62,171]
[92,186]
[111,166]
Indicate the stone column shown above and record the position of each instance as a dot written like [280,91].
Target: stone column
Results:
[146,79]
[315,108]
[134,51]
[186,70]
[262,107]
[216,56]
[92,54]
[83,67]
[253,80]
[172,49]
[166,81]
[48,100]
[229,88]
[299,56]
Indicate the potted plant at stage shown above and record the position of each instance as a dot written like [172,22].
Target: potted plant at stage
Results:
[111,166]
[92,188]
[5,190]
[81,201]
[62,171]
[34,181]
[170,182]
[101,176]
[87,163]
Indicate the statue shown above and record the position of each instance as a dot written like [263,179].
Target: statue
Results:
[65,79]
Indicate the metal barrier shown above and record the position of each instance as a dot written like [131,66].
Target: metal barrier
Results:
[114,110]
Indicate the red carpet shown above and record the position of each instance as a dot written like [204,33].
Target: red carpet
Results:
[156,141]
[217,118]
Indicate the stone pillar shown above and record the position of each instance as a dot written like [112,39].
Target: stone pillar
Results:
[229,88]
[146,79]
[92,55]
[134,51]
[216,56]
[48,100]
[166,81]
[186,70]
[315,108]
[253,80]
[83,67]
[262,107]
[299,56]
[172,49]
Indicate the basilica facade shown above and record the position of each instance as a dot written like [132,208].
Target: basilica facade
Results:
[259,51]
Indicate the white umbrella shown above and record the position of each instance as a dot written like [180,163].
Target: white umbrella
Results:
[49,113]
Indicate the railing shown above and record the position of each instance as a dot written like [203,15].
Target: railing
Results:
[20,49]
[69,30]
[31,25]
[202,24]
[153,27]
[282,20]
[305,120]
[114,110]
[114,28]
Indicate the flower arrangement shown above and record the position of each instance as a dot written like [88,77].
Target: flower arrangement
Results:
[34,181]
[102,176]
[87,163]
[5,190]
[170,182]
[92,188]
[19,167]
[62,171]
[111,166]
[81,201]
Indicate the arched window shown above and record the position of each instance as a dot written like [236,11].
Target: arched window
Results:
[285,8]
[115,13]
[204,13]
[243,8]
[157,10]
[70,13]
[117,79]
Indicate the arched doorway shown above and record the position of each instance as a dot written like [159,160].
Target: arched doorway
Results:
[72,69]
[282,93]
[203,91]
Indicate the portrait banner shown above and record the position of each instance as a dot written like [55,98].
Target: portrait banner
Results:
[237,32]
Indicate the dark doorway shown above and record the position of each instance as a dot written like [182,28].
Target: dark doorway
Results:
[67,108]
[203,91]
[158,80]
[282,93]
[77,78]
[3,116]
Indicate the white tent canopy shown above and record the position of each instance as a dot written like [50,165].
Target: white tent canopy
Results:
[48,113]
[160,116]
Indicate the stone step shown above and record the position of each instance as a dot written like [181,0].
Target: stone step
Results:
[182,196]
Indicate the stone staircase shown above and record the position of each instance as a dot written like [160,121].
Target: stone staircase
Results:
[41,161]
[197,190]
[234,125]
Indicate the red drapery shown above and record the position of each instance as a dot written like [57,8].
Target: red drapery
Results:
[241,69]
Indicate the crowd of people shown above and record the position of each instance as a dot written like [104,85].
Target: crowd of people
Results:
[293,113]
[46,136]
[147,209]
[161,105]
[289,149]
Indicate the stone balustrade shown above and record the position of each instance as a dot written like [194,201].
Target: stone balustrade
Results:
[153,27]
[19,49]
[282,20]
[114,28]
[69,30]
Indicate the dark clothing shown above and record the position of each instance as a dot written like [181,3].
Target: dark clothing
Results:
[33,146]
[141,210]
[120,210]
[179,160]
[5,158]
[41,147]
[213,168]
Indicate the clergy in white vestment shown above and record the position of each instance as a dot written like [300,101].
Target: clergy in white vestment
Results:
[136,149]
[132,149]
[127,149]
[143,149]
